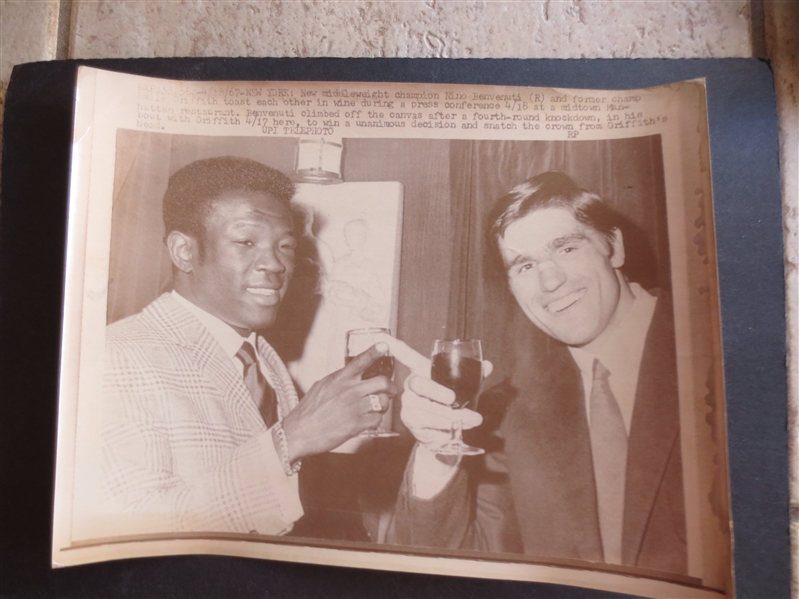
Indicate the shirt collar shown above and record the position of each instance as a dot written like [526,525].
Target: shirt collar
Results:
[621,352]
[626,339]
[224,334]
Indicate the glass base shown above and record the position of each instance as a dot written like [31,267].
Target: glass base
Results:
[458,448]
[378,433]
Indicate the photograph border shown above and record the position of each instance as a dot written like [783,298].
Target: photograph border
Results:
[762,245]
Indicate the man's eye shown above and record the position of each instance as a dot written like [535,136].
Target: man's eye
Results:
[245,242]
[567,249]
[289,245]
[526,267]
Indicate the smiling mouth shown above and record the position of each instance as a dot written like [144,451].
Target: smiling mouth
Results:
[567,301]
[264,296]
[263,292]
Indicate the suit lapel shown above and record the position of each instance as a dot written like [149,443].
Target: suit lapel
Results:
[209,359]
[278,377]
[548,446]
[654,428]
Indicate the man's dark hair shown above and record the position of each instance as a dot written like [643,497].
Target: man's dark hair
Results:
[552,189]
[192,190]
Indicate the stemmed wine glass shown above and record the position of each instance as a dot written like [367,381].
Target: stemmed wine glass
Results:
[358,341]
[458,365]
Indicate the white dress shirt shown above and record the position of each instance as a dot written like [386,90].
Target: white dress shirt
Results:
[286,487]
[620,350]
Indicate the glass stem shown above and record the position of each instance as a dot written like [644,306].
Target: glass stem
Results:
[457,432]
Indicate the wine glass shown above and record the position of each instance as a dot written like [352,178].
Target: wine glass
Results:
[458,365]
[358,341]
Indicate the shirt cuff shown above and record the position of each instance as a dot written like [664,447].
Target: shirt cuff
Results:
[285,488]
[430,475]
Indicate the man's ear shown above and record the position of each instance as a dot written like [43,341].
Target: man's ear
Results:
[617,248]
[182,250]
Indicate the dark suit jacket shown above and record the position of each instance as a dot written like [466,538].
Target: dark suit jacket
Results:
[535,494]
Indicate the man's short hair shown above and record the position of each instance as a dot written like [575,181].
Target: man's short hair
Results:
[552,189]
[192,190]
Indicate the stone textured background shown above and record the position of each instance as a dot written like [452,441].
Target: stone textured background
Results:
[414,29]
[32,30]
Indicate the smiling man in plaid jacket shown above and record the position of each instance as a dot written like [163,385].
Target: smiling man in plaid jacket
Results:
[202,429]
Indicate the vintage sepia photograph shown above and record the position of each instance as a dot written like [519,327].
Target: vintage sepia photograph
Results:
[382,350]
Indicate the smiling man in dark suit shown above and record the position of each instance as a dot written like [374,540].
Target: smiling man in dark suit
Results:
[590,464]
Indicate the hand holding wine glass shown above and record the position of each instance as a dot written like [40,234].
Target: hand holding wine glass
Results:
[338,407]
[358,341]
[426,405]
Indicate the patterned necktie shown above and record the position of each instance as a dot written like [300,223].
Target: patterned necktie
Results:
[609,448]
[262,393]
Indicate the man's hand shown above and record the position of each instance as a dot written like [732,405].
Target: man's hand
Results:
[426,405]
[338,407]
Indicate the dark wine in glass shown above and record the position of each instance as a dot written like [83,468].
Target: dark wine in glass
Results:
[358,341]
[458,365]
[462,375]
[383,366]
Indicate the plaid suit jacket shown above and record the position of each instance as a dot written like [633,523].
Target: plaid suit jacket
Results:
[184,447]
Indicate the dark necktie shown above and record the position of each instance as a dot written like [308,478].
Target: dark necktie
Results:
[609,448]
[262,393]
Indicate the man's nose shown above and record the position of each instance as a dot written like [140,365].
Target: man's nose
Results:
[269,260]
[550,276]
